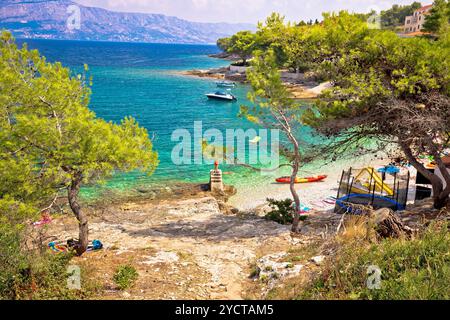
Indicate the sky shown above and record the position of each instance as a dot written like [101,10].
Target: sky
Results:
[245,11]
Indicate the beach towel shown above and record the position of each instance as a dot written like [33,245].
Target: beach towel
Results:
[45,219]
[58,247]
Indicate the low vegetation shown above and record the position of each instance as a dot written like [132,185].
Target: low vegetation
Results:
[410,269]
[36,274]
[417,269]
[125,277]
[283,211]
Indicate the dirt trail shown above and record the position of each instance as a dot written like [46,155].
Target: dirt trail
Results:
[184,249]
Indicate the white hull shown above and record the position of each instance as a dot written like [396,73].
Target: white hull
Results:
[226,84]
[221,97]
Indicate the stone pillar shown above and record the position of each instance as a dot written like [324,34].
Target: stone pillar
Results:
[215,181]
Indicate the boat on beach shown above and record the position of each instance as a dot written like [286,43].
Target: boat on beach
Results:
[220,95]
[226,84]
[302,180]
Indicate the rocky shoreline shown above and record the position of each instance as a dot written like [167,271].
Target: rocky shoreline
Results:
[164,193]
[218,74]
[301,86]
[224,56]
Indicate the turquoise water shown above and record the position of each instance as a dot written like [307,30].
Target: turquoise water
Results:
[142,80]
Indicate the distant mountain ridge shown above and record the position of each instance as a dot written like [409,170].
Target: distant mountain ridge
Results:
[48,20]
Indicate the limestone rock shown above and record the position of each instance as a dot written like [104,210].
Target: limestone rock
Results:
[162,257]
[270,269]
[190,207]
[318,260]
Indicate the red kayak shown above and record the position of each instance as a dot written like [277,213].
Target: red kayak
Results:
[302,180]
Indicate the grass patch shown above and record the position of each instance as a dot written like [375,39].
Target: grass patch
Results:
[125,277]
[185,256]
[254,271]
[264,279]
[304,252]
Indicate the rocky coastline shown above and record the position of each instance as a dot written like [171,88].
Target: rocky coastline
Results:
[301,86]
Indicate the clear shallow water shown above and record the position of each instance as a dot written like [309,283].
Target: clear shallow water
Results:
[141,80]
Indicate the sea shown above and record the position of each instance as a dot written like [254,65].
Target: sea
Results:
[144,81]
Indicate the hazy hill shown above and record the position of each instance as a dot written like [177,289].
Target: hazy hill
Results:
[48,20]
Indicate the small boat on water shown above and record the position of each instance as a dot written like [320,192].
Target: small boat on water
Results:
[220,95]
[226,84]
[302,180]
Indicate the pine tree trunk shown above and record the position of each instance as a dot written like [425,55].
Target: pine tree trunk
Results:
[296,198]
[440,196]
[73,192]
[295,169]
[441,202]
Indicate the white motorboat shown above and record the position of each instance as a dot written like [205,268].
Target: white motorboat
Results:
[226,84]
[220,95]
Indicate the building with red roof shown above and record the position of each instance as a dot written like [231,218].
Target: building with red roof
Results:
[414,23]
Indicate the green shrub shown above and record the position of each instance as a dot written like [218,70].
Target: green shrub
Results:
[32,274]
[254,271]
[125,277]
[410,269]
[282,211]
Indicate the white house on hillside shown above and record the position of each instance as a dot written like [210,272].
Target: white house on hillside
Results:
[415,22]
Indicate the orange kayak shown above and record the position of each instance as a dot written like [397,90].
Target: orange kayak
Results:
[302,180]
